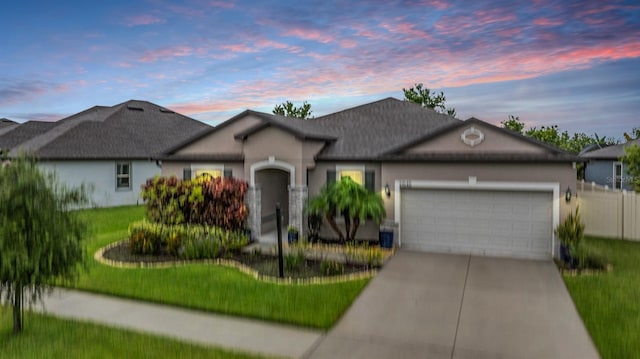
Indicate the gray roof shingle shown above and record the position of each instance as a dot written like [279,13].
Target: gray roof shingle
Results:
[130,130]
[613,152]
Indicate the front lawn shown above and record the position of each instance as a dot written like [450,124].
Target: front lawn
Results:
[609,303]
[48,337]
[208,287]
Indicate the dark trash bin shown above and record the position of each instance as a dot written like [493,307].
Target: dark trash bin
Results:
[386,238]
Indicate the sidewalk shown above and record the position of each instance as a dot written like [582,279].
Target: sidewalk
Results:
[203,328]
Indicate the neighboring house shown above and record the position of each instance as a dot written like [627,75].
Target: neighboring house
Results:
[450,185]
[109,149]
[6,125]
[603,166]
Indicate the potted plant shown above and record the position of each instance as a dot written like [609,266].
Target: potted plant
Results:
[570,232]
[292,234]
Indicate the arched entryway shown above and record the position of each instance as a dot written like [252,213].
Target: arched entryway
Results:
[271,182]
[274,185]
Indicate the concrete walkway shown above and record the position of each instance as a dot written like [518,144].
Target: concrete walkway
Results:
[426,305]
[199,327]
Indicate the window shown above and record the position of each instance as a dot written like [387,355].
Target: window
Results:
[617,175]
[357,173]
[123,175]
[213,171]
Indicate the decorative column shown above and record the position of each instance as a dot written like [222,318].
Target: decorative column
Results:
[254,203]
[297,201]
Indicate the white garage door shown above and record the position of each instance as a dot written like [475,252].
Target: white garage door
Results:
[493,223]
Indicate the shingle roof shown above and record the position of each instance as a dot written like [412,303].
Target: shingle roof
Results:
[5,122]
[378,131]
[24,132]
[613,152]
[133,129]
[370,130]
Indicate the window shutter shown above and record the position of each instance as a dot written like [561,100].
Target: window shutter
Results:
[186,173]
[370,181]
[228,173]
[331,177]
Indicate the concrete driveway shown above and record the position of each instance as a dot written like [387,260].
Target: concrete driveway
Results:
[426,305]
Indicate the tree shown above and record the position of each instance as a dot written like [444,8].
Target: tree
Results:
[552,135]
[351,200]
[289,110]
[40,237]
[513,124]
[631,160]
[426,98]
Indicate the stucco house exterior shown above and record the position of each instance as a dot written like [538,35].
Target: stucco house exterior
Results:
[603,166]
[449,185]
[108,148]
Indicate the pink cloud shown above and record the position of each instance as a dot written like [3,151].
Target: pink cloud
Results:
[408,29]
[143,20]
[165,53]
[545,21]
[243,48]
[309,34]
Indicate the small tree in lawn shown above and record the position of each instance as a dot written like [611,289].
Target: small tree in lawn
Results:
[40,237]
[352,201]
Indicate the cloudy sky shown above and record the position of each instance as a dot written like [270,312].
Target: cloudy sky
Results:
[575,64]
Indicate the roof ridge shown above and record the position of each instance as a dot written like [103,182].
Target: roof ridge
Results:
[62,126]
[357,107]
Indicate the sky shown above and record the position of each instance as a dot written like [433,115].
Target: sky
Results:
[575,64]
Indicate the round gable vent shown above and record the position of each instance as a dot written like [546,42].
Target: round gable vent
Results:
[472,136]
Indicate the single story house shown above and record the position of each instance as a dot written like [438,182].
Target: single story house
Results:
[603,166]
[449,185]
[109,149]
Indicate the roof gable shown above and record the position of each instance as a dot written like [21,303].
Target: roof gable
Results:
[473,136]
[474,139]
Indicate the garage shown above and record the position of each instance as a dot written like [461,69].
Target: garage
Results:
[492,222]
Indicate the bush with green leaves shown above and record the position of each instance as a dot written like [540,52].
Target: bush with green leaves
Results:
[294,260]
[205,201]
[571,231]
[371,256]
[184,241]
[330,268]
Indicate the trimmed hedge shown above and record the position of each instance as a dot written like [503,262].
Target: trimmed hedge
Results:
[184,241]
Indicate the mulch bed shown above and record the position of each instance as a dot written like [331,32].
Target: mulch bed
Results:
[264,264]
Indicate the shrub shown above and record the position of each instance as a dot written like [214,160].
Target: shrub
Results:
[185,241]
[205,201]
[145,238]
[293,261]
[371,256]
[588,259]
[571,232]
[329,268]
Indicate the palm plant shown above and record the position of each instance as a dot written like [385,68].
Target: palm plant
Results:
[350,200]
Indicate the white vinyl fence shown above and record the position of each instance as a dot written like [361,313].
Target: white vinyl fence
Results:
[609,213]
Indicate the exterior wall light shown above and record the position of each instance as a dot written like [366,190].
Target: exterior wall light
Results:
[387,190]
[567,195]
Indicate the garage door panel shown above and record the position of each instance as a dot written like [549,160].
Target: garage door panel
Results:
[503,223]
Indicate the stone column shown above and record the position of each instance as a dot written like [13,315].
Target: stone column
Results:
[254,203]
[297,201]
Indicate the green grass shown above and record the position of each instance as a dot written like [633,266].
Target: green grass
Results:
[207,287]
[609,303]
[48,337]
